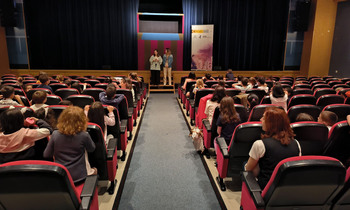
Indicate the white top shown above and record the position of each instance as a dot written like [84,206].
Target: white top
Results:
[258,149]
[264,88]
[280,101]
[210,108]
[36,107]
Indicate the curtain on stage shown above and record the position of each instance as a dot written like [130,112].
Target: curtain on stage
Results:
[248,34]
[82,34]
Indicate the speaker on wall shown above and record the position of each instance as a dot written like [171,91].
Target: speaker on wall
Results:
[8,13]
[299,19]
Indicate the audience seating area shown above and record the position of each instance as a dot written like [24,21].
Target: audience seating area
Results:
[49,182]
[326,152]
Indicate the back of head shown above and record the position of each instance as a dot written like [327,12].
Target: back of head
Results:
[43,78]
[7,91]
[96,114]
[239,77]
[328,118]
[200,83]
[68,82]
[39,97]
[276,124]
[229,71]
[128,83]
[72,121]
[60,78]
[253,100]
[207,76]
[261,80]
[277,91]
[245,81]
[11,120]
[304,117]
[221,83]
[220,77]
[110,91]
[76,85]
[219,93]
[228,110]
[192,75]
[252,80]
[289,90]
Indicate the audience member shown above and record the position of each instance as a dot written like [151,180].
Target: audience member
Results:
[110,97]
[16,141]
[27,87]
[228,119]
[262,85]
[76,86]
[68,82]
[44,80]
[39,99]
[229,75]
[8,94]
[207,77]
[290,93]
[279,97]
[328,118]
[219,93]
[191,77]
[60,78]
[70,143]
[199,85]
[277,144]
[252,83]
[96,114]
[243,86]
[126,83]
[304,117]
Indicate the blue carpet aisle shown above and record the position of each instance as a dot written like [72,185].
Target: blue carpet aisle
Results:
[165,172]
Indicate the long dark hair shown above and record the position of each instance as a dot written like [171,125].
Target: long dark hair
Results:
[219,93]
[228,111]
[96,114]
[155,54]
[11,120]
[192,75]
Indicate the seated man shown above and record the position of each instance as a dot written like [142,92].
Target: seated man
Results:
[44,79]
[110,97]
[8,93]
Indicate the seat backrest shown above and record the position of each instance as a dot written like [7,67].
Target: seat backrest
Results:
[304,86]
[32,91]
[24,185]
[128,96]
[210,83]
[257,112]
[323,91]
[295,181]
[329,99]
[341,110]
[342,200]
[232,91]
[242,111]
[92,82]
[260,93]
[65,92]
[300,91]
[201,93]
[98,158]
[312,110]
[94,92]
[339,145]
[123,109]
[242,140]
[189,85]
[58,109]
[318,86]
[302,99]
[19,92]
[53,100]
[266,100]
[335,82]
[81,100]
[56,86]
[214,127]
[312,137]
[14,85]
[344,86]
[101,85]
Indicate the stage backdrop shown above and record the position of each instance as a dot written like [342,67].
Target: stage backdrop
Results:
[202,47]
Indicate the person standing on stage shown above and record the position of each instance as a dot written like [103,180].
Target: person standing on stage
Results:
[155,61]
[167,61]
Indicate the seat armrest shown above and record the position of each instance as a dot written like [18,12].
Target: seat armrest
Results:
[111,147]
[88,191]
[207,125]
[254,188]
[123,124]
[191,102]
[223,146]
[130,111]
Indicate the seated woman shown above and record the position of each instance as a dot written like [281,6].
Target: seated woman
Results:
[279,96]
[18,142]
[191,77]
[219,93]
[277,143]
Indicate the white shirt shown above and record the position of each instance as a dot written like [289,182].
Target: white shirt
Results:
[210,108]
[280,101]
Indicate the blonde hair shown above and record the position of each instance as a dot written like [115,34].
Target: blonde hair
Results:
[72,121]
[200,83]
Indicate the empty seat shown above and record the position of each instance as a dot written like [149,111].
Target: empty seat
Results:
[306,182]
[335,82]
[92,82]
[266,100]
[53,100]
[301,91]
[104,157]
[339,145]
[44,185]
[304,86]
[132,107]
[323,91]
[81,100]
[341,110]
[65,92]
[57,86]
[257,112]
[14,85]
[312,137]
[329,99]
[94,92]
[318,86]
[342,200]
[302,99]
[58,109]
[340,86]
[101,85]
[312,110]
[230,158]
[232,91]
[210,83]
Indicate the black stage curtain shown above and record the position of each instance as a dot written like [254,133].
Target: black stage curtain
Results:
[248,34]
[82,34]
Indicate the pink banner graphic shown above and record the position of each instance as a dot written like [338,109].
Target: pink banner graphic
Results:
[202,47]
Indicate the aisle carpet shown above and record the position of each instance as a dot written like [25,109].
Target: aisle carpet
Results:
[165,172]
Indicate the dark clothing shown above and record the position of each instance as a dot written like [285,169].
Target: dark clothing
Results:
[155,77]
[274,153]
[46,87]
[70,152]
[230,76]
[112,102]
[227,129]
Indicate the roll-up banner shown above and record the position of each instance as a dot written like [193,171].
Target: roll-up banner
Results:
[202,47]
